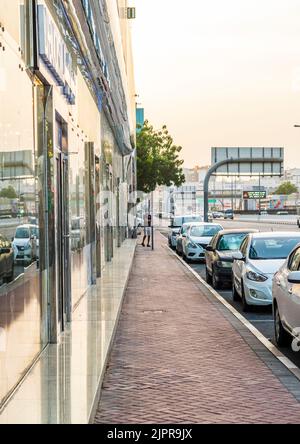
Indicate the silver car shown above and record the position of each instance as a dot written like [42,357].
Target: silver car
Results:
[196,240]
[176,224]
[26,244]
[180,237]
[286,301]
[260,257]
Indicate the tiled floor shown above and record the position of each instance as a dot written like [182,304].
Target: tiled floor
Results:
[61,386]
[178,358]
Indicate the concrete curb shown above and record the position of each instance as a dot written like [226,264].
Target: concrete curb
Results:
[269,346]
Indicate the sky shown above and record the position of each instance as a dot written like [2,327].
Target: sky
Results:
[220,73]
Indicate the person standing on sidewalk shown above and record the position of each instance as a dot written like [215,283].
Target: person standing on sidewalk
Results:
[147,229]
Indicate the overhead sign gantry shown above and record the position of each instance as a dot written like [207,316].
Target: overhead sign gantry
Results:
[261,162]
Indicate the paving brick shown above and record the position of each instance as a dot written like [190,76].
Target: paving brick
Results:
[178,359]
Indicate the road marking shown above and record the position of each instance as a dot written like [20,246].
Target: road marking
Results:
[271,347]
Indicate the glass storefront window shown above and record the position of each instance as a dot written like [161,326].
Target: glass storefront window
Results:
[22,309]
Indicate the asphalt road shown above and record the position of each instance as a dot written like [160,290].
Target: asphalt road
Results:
[260,317]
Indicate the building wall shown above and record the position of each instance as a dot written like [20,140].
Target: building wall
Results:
[61,171]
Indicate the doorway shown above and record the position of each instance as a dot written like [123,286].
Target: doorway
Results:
[62,235]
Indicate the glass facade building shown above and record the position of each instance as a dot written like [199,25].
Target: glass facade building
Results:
[67,165]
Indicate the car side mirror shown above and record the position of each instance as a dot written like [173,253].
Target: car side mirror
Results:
[294,277]
[210,248]
[238,256]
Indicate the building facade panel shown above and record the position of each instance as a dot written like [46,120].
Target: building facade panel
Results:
[62,179]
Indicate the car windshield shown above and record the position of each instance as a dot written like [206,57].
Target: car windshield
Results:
[179,221]
[231,242]
[35,232]
[272,248]
[205,231]
[22,233]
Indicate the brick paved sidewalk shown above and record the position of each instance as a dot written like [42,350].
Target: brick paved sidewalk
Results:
[177,357]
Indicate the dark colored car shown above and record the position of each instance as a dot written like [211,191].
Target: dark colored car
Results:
[228,214]
[6,260]
[219,255]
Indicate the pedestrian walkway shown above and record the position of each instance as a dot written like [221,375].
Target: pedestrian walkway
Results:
[181,357]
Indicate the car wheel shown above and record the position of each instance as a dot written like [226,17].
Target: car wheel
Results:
[215,282]
[208,277]
[186,259]
[246,306]
[235,295]
[282,337]
[10,278]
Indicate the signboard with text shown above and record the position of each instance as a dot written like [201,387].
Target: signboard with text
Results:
[55,54]
[254,195]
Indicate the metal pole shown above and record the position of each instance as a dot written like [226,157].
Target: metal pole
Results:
[259,201]
[232,194]
[214,168]
[152,219]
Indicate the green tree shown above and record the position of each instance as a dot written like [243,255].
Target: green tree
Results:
[8,193]
[286,188]
[158,161]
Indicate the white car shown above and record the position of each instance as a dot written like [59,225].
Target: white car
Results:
[26,244]
[260,257]
[197,238]
[286,300]
[179,239]
[176,224]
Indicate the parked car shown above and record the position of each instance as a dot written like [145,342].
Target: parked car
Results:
[33,220]
[219,255]
[260,257]
[228,214]
[139,225]
[210,217]
[176,224]
[181,235]
[197,238]
[6,260]
[218,214]
[286,299]
[26,244]
[282,213]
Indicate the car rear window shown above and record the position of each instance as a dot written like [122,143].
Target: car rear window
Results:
[231,242]
[205,231]
[22,233]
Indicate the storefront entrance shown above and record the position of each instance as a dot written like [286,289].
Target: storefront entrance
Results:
[62,234]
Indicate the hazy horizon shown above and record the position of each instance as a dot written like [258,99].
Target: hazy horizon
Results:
[220,73]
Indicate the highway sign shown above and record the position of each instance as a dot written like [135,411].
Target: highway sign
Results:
[254,194]
[254,161]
